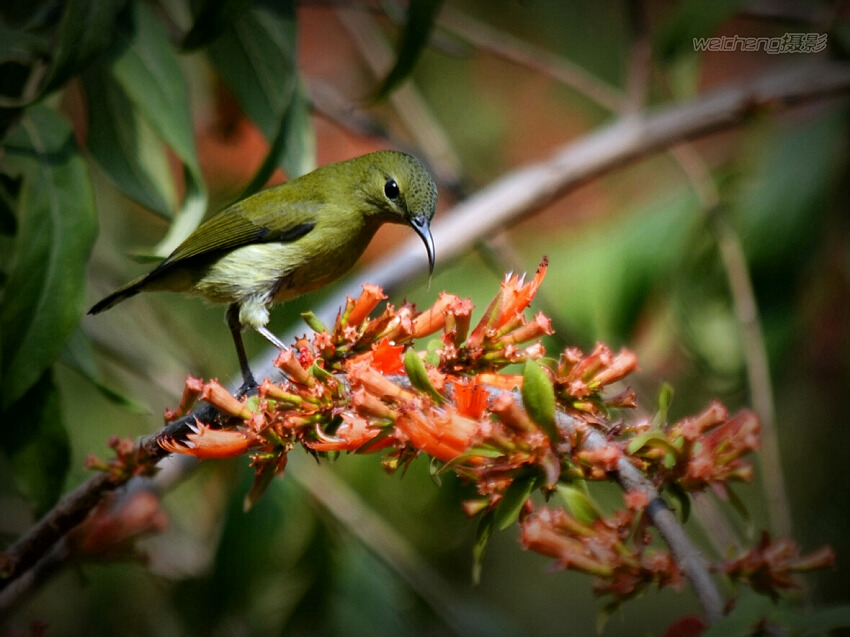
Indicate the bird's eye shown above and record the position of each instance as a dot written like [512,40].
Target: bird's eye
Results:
[391,189]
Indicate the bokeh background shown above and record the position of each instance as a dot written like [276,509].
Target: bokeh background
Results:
[344,548]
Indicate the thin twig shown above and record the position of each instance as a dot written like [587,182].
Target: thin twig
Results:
[513,49]
[747,316]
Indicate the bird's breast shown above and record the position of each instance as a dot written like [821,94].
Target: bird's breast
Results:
[277,272]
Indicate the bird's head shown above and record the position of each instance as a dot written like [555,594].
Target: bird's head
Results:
[400,189]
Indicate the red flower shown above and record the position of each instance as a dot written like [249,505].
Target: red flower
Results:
[386,357]
[470,398]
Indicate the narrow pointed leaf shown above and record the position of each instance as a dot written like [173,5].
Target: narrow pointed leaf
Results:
[125,146]
[213,19]
[420,20]
[579,503]
[56,226]
[86,31]
[146,69]
[483,532]
[79,356]
[538,397]
[256,58]
[513,499]
[418,375]
[293,145]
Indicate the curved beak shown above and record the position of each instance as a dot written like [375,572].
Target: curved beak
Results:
[422,225]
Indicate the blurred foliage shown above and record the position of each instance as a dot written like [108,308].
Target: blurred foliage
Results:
[105,114]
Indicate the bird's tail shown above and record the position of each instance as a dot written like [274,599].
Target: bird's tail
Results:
[124,292]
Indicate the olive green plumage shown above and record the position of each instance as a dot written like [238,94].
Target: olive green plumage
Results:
[293,238]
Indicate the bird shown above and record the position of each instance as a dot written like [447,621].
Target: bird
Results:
[291,239]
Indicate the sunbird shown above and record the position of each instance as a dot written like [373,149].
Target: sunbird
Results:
[291,239]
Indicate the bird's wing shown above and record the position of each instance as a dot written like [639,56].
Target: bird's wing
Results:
[273,220]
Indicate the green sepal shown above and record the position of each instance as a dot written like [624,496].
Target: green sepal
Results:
[314,322]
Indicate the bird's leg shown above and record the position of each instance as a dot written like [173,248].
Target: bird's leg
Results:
[235,326]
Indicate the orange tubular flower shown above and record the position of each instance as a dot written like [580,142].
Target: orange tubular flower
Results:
[623,364]
[362,373]
[287,362]
[191,393]
[434,318]
[365,303]
[441,433]
[207,443]
[539,326]
[223,400]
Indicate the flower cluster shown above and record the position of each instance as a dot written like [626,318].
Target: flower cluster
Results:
[596,546]
[542,426]
[704,450]
[769,567]
[129,461]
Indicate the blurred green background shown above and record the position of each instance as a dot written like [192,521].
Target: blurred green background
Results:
[633,262]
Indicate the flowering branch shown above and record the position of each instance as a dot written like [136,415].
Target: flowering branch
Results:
[524,440]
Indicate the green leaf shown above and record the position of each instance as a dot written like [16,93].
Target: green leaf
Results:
[146,69]
[43,298]
[513,499]
[293,144]
[579,504]
[35,442]
[483,532]
[125,146]
[87,30]
[417,374]
[538,397]
[420,20]
[79,356]
[256,58]
[213,19]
